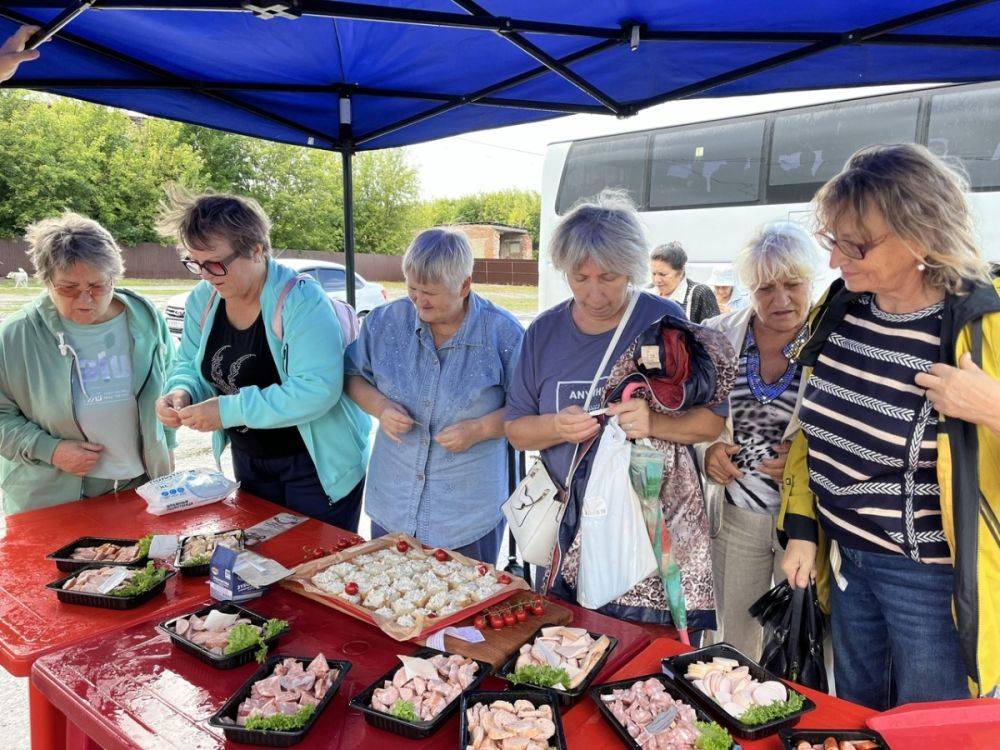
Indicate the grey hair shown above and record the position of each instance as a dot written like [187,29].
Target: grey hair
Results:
[439,256]
[194,221]
[776,251]
[607,231]
[672,254]
[57,244]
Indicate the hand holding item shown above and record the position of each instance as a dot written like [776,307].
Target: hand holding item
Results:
[395,421]
[168,408]
[634,418]
[574,425]
[13,53]
[799,562]
[718,464]
[775,467]
[76,457]
[460,436]
[964,392]
[203,417]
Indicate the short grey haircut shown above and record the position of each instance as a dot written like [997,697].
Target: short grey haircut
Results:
[196,220]
[672,254]
[439,256]
[60,243]
[607,231]
[780,250]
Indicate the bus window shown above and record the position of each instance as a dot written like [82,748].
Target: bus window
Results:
[808,149]
[592,166]
[708,166]
[963,126]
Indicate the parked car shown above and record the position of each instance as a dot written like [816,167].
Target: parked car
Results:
[331,276]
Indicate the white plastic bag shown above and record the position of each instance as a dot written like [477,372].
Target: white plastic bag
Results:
[615,552]
[183,490]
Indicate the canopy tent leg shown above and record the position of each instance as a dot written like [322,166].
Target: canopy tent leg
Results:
[346,157]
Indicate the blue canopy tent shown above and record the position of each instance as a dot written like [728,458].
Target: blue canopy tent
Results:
[347,76]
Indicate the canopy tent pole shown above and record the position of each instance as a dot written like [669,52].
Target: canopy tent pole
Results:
[346,161]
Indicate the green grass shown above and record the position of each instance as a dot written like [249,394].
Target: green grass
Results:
[520,300]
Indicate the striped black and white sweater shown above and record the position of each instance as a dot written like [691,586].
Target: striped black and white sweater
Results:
[872,433]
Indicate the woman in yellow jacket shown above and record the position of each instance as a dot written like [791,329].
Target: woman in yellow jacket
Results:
[898,457]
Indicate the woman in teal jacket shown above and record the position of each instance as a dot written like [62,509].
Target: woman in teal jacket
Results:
[83,365]
[261,364]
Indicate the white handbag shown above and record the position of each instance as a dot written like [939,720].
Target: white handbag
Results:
[535,509]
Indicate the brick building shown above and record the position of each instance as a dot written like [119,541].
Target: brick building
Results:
[498,241]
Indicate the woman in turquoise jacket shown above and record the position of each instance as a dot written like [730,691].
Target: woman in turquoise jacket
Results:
[261,365]
[83,366]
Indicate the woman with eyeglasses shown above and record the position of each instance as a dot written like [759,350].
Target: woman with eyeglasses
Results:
[261,364]
[83,366]
[897,464]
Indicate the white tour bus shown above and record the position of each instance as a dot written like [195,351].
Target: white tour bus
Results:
[710,184]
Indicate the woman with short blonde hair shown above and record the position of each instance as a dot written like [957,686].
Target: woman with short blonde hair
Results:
[743,467]
[900,419]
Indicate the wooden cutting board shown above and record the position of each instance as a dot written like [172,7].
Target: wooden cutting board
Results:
[501,644]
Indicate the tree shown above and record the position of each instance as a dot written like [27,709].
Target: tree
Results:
[519,208]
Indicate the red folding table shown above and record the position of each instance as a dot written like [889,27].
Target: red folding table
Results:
[33,622]
[586,728]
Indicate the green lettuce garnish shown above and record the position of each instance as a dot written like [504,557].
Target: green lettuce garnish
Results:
[404,710]
[281,722]
[540,675]
[247,636]
[712,737]
[776,710]
[141,582]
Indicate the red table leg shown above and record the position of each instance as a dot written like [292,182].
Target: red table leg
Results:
[77,740]
[48,724]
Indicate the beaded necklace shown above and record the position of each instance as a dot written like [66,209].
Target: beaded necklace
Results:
[763,391]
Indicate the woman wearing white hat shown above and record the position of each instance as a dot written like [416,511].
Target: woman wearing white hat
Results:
[723,283]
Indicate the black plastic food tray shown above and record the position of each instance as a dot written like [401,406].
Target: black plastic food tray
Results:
[413,730]
[273,737]
[61,557]
[565,697]
[668,684]
[535,697]
[676,666]
[232,661]
[105,600]
[791,737]
[204,568]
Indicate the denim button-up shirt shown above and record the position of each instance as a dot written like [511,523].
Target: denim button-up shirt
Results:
[444,499]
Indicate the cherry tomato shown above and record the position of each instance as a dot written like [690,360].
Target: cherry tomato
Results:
[520,614]
[479,622]
[509,619]
[537,609]
[402,546]
[537,601]
[441,556]
[483,569]
[351,588]
[504,579]
[496,622]
[431,615]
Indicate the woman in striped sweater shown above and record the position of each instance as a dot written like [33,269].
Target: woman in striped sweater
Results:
[878,463]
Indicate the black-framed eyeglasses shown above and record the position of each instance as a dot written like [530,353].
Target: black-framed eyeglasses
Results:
[855,250]
[211,267]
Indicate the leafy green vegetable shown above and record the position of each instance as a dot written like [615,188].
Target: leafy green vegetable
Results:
[763,714]
[143,545]
[540,675]
[196,560]
[281,722]
[404,710]
[712,737]
[247,636]
[241,637]
[141,582]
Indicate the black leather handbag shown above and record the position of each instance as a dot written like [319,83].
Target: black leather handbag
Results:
[793,634]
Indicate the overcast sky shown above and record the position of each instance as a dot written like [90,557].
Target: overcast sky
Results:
[512,157]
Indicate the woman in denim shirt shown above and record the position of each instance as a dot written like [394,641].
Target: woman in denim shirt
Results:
[434,369]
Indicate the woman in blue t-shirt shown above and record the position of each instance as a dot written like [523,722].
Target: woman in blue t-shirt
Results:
[601,248]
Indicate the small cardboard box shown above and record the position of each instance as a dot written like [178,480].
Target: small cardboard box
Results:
[239,575]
